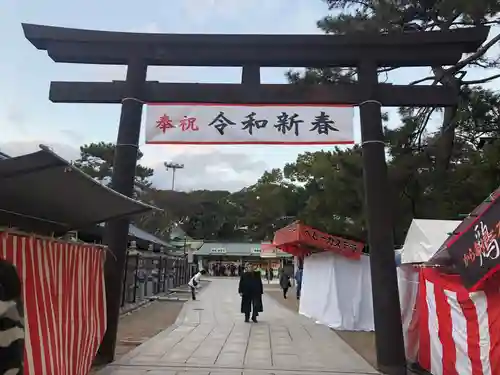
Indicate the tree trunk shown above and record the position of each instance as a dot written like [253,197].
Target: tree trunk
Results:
[444,143]
[446,140]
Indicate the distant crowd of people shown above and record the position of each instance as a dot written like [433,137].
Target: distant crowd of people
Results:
[226,269]
[236,269]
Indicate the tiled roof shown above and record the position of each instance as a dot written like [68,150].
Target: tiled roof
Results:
[133,231]
[139,233]
[41,196]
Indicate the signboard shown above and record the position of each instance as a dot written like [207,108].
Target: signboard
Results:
[475,252]
[268,250]
[297,237]
[218,250]
[255,250]
[324,241]
[203,123]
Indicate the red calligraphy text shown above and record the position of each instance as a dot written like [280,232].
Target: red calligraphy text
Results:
[189,123]
[164,123]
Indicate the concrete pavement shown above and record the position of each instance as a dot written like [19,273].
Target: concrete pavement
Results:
[210,338]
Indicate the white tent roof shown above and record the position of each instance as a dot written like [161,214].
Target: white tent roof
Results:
[424,238]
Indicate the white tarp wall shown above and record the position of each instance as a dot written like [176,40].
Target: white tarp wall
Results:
[424,238]
[408,291]
[336,292]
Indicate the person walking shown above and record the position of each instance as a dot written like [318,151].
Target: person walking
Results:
[271,274]
[251,290]
[194,282]
[298,280]
[285,283]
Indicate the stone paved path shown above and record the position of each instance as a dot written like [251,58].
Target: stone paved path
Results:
[210,338]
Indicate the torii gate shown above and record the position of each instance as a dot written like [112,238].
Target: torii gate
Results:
[364,51]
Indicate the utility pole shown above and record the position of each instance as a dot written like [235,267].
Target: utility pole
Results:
[173,167]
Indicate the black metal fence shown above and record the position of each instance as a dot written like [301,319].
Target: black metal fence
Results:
[149,274]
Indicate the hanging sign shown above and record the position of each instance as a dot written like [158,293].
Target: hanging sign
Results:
[255,250]
[300,239]
[476,252]
[268,250]
[218,250]
[199,123]
[324,241]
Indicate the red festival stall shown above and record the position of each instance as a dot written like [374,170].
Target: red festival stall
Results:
[455,327]
[299,239]
[330,263]
[63,282]
[64,301]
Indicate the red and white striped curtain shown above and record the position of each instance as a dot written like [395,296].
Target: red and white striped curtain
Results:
[459,331]
[64,302]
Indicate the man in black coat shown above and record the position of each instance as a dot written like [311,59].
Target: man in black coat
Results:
[251,291]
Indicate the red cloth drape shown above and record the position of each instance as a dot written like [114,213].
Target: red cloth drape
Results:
[64,302]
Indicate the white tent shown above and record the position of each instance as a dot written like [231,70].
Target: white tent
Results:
[424,238]
[337,292]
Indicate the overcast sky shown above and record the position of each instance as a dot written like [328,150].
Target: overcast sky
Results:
[28,118]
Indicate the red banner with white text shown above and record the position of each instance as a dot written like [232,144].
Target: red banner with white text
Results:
[300,239]
[64,302]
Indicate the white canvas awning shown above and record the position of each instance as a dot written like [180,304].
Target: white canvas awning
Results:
[424,239]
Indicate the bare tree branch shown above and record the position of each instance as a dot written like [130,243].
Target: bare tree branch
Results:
[480,64]
[385,70]
[479,53]
[482,80]
[462,64]
[423,125]
[430,78]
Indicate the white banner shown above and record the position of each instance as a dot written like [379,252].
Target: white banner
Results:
[199,123]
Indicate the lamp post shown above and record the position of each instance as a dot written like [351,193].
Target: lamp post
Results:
[174,167]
